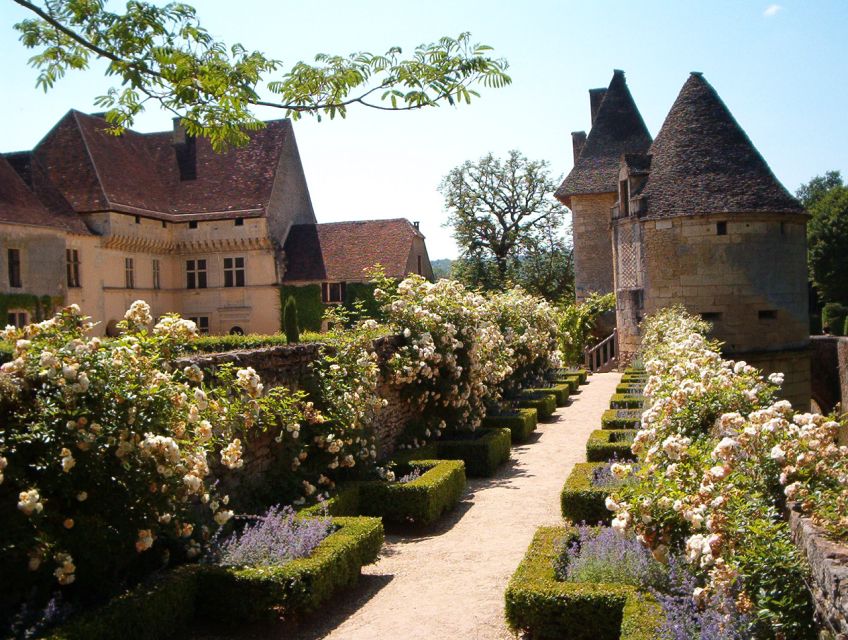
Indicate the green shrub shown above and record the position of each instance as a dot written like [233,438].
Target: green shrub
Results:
[834,316]
[544,404]
[157,609]
[559,391]
[605,444]
[628,378]
[581,500]
[582,374]
[621,419]
[290,325]
[547,609]
[630,388]
[482,455]
[628,401]
[522,423]
[310,309]
[237,595]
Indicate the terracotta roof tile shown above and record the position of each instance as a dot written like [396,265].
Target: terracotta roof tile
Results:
[618,128]
[703,162]
[344,250]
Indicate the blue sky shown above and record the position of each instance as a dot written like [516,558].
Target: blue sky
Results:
[779,67]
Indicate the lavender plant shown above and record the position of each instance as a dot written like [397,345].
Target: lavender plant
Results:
[273,539]
[614,473]
[414,474]
[601,555]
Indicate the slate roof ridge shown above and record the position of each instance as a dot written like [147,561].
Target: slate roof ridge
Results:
[704,162]
[618,128]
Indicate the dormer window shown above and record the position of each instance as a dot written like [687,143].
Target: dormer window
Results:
[624,198]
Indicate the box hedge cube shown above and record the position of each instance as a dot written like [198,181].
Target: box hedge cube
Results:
[626,401]
[606,444]
[621,419]
[581,500]
[543,403]
[559,391]
[521,422]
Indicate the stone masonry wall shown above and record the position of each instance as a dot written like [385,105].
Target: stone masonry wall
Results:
[829,567]
[592,244]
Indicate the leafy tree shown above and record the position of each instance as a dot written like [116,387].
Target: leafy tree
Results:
[827,241]
[508,226]
[818,187]
[290,323]
[162,55]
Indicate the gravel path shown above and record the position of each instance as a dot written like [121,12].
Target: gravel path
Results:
[448,582]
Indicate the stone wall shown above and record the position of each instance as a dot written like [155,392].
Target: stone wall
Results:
[830,372]
[829,567]
[592,244]
[793,364]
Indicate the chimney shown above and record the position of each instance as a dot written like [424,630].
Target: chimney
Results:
[596,96]
[578,139]
[416,224]
[185,147]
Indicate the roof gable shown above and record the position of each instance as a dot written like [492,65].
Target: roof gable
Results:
[618,128]
[703,162]
[344,250]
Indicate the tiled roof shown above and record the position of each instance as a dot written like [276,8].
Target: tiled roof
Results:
[703,162]
[20,205]
[97,171]
[343,250]
[618,128]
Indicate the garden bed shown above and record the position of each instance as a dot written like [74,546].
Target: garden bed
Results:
[483,450]
[170,605]
[546,608]
[521,422]
[626,401]
[630,388]
[559,391]
[544,403]
[581,499]
[607,444]
[421,501]
[621,419]
[634,378]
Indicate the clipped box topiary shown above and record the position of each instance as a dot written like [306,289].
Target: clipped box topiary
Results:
[621,419]
[482,451]
[544,403]
[630,388]
[581,500]
[627,401]
[545,608]
[559,391]
[606,444]
[521,422]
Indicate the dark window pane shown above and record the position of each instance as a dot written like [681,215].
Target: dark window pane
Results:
[201,279]
[240,278]
[228,278]
[228,263]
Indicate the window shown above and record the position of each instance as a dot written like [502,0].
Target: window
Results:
[192,224]
[233,272]
[17,319]
[721,228]
[202,323]
[138,219]
[164,225]
[711,316]
[15,268]
[156,281]
[239,222]
[236,331]
[195,274]
[72,263]
[129,273]
[767,314]
[332,292]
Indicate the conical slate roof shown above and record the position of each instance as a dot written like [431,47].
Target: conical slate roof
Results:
[618,128]
[703,162]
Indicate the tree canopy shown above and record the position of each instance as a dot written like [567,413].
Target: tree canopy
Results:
[162,55]
[508,226]
[826,198]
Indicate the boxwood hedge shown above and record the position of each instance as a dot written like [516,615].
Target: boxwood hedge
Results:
[521,423]
[482,455]
[543,403]
[605,444]
[581,500]
[559,391]
[547,609]
[630,388]
[626,401]
[621,419]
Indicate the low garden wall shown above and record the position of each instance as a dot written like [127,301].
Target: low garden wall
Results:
[829,568]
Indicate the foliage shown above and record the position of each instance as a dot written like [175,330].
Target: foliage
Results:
[576,322]
[621,419]
[217,344]
[234,595]
[310,309]
[581,499]
[482,454]
[599,554]
[442,268]
[715,449]
[605,444]
[105,453]
[818,187]
[508,226]
[561,392]
[549,609]
[827,242]
[520,422]
[290,323]
[273,539]
[162,55]
[833,317]
[544,403]
[39,307]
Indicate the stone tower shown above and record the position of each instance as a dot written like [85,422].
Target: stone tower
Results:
[590,189]
[702,221]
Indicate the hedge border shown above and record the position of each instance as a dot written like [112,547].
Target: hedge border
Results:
[580,499]
[254,593]
[544,406]
[547,609]
[559,391]
[522,424]
[611,419]
[601,448]
[628,401]
[630,388]
[640,378]
[483,455]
